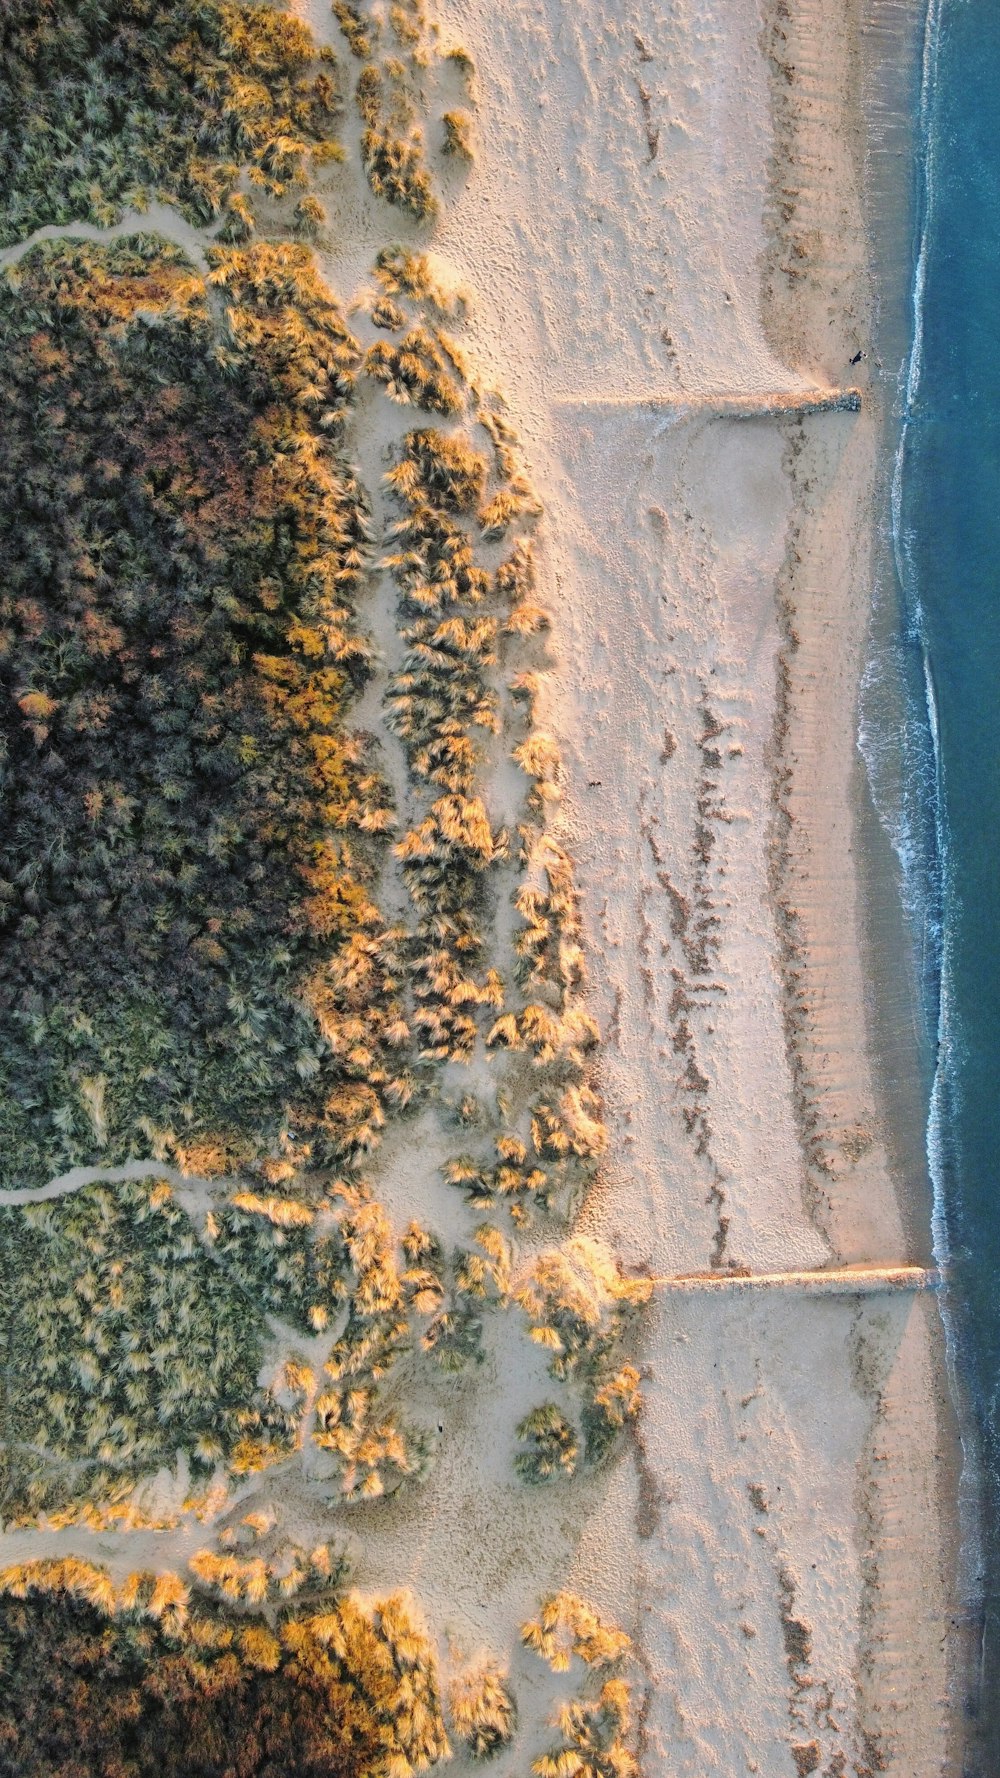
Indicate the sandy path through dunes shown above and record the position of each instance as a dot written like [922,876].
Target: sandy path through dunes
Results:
[669,197]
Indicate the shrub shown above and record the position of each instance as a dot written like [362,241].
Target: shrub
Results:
[360,31]
[415,370]
[566,1626]
[593,1731]
[579,1306]
[392,148]
[482,1709]
[613,1404]
[551,1445]
[401,272]
[396,171]
[458,134]
[272,1247]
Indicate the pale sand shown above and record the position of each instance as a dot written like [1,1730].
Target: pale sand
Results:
[712,585]
[781,1541]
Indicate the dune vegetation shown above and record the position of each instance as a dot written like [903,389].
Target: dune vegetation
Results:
[122,1346]
[231,956]
[395,48]
[136,1335]
[111,104]
[148,1680]
[467,621]
[190,832]
[482,1710]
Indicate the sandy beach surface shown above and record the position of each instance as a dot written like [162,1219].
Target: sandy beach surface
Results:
[669,208]
[664,238]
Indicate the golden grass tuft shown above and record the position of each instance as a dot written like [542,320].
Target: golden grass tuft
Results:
[458,136]
[566,1626]
[482,1708]
[550,1445]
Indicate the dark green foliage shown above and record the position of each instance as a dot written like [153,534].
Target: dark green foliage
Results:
[551,1447]
[271,1247]
[190,958]
[84,1693]
[111,103]
[123,1344]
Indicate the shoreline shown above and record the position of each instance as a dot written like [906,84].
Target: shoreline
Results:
[923,865]
[899,1046]
[904,1024]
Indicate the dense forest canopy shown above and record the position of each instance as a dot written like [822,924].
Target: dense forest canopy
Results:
[90,1693]
[188,828]
[109,104]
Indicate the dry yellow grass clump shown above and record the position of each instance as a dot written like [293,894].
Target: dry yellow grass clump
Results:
[550,1446]
[458,136]
[566,1626]
[593,1734]
[593,1728]
[482,1709]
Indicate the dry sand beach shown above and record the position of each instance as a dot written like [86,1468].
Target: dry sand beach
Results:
[670,209]
[664,236]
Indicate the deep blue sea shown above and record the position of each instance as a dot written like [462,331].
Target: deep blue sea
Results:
[947,519]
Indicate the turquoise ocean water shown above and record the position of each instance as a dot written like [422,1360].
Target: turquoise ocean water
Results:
[947,537]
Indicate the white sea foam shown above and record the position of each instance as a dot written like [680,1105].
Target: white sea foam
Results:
[926,878]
